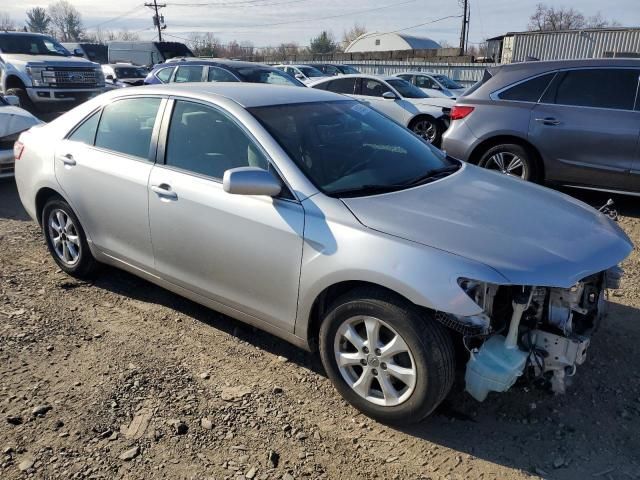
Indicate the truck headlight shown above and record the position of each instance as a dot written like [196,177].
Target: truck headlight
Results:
[35,73]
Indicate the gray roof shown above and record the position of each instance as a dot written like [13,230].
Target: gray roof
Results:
[246,94]
[418,43]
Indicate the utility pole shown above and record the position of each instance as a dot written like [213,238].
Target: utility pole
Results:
[465,27]
[158,20]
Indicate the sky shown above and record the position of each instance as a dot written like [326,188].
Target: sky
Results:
[271,22]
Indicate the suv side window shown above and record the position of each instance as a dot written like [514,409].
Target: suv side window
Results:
[164,74]
[86,132]
[342,85]
[190,73]
[528,91]
[613,88]
[205,141]
[217,74]
[126,126]
[372,88]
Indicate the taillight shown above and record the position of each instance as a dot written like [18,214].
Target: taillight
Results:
[458,112]
[18,148]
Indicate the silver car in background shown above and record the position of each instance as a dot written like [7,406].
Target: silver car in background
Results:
[316,218]
[571,122]
[434,84]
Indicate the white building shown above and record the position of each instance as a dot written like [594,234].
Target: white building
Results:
[384,42]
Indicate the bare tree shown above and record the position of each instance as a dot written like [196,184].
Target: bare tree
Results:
[354,32]
[66,20]
[548,18]
[205,45]
[6,22]
[37,20]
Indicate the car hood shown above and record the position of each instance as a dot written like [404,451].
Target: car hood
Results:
[48,60]
[433,102]
[530,234]
[15,120]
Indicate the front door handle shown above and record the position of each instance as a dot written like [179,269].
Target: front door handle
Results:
[164,190]
[548,121]
[68,160]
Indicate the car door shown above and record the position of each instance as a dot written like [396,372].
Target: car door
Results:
[586,128]
[241,251]
[370,91]
[103,167]
[189,73]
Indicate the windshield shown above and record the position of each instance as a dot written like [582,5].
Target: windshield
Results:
[31,45]
[406,89]
[311,72]
[447,82]
[267,75]
[345,148]
[130,72]
[173,49]
[346,69]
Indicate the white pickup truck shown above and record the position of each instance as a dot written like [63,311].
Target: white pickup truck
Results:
[44,75]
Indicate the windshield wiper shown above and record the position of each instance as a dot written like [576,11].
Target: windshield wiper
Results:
[432,175]
[364,190]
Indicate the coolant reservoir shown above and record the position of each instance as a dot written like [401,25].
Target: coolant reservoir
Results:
[493,368]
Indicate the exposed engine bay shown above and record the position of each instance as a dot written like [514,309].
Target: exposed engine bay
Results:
[540,332]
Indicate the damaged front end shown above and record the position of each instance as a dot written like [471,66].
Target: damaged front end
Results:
[538,331]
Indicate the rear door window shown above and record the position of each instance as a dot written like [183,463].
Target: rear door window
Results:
[373,88]
[190,73]
[528,91]
[342,85]
[614,88]
[425,82]
[126,126]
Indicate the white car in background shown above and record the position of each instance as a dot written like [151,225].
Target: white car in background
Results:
[119,75]
[13,121]
[424,115]
[305,73]
[434,84]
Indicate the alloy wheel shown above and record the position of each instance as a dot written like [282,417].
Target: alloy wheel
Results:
[507,163]
[426,129]
[375,361]
[64,237]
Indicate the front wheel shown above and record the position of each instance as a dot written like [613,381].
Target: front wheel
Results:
[66,239]
[390,360]
[428,128]
[25,100]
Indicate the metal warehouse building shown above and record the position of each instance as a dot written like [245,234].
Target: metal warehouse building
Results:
[565,44]
[384,42]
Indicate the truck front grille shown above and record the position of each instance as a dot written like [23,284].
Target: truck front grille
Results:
[75,77]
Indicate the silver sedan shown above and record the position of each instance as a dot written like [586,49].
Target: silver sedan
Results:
[314,217]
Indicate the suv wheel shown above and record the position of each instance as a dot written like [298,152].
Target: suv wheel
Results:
[25,101]
[66,240]
[511,159]
[386,357]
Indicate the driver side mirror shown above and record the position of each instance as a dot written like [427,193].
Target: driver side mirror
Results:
[109,77]
[13,100]
[78,53]
[250,181]
[389,96]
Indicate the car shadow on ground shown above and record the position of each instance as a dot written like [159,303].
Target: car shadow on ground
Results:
[10,206]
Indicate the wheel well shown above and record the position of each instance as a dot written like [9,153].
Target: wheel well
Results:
[419,116]
[42,197]
[480,150]
[325,299]
[13,82]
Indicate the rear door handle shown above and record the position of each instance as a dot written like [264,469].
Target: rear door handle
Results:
[164,190]
[548,121]
[68,160]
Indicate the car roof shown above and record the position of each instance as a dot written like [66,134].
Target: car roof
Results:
[247,95]
[219,62]
[415,72]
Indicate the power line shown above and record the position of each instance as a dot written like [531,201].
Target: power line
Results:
[245,3]
[158,20]
[125,14]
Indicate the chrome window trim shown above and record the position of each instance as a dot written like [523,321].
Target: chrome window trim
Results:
[495,96]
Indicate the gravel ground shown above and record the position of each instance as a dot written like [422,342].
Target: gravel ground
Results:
[120,379]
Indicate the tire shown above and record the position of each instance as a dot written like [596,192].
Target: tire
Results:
[71,253]
[25,101]
[427,128]
[427,357]
[511,159]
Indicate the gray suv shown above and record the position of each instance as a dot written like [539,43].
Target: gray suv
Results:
[574,123]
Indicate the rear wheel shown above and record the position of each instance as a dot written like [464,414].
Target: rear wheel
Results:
[512,160]
[66,239]
[386,357]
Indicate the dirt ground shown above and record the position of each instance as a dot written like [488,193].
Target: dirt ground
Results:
[120,379]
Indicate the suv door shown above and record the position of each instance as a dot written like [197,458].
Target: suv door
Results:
[586,128]
[243,252]
[103,167]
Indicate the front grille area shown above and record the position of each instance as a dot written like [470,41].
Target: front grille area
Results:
[75,77]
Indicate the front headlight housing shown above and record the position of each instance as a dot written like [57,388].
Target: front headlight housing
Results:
[36,75]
